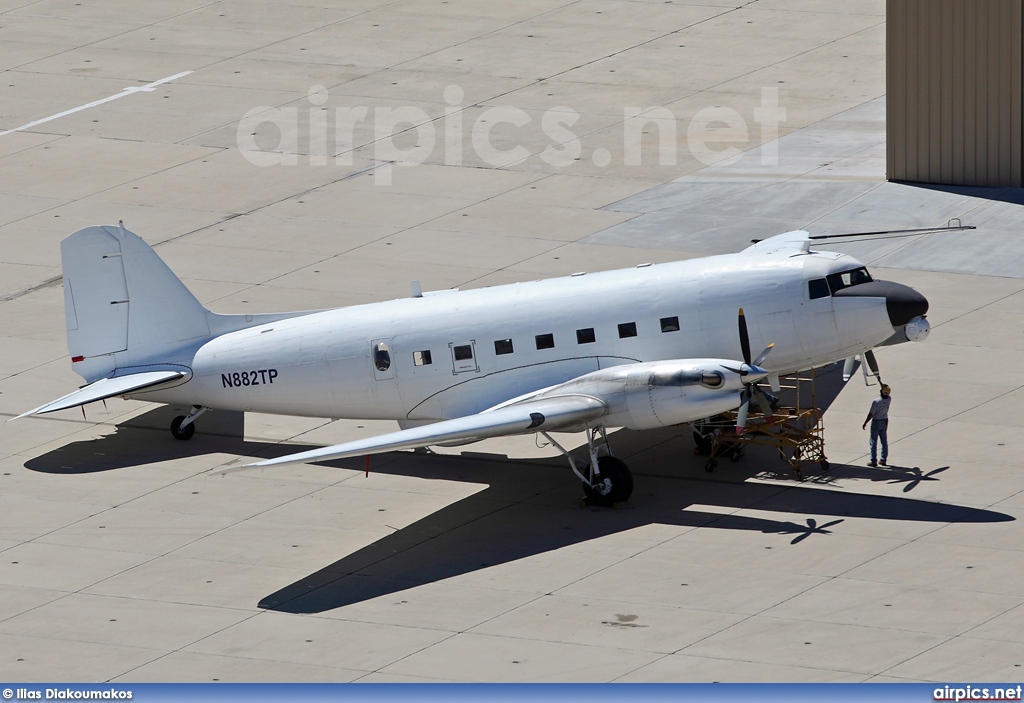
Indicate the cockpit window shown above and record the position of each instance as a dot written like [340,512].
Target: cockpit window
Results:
[817,288]
[854,277]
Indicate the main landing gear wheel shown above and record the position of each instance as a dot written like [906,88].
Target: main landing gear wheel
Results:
[607,480]
[612,484]
[182,433]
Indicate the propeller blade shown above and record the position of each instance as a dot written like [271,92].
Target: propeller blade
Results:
[744,338]
[741,416]
[849,367]
[762,402]
[740,371]
[869,356]
[764,354]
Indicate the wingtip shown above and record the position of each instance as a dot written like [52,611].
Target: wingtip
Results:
[267,462]
[260,464]
[26,414]
[237,469]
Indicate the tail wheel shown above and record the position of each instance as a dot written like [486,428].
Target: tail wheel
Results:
[614,483]
[182,433]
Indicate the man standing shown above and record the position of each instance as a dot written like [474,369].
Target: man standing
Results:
[878,416]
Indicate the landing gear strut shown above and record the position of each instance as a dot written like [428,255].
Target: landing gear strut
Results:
[183,426]
[606,480]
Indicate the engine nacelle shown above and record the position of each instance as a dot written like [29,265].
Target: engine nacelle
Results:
[653,407]
[670,394]
[664,393]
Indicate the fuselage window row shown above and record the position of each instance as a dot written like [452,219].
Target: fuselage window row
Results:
[587,335]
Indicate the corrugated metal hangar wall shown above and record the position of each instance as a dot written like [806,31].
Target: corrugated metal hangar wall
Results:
[953,91]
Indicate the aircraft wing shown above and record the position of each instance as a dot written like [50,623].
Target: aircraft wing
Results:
[105,388]
[544,414]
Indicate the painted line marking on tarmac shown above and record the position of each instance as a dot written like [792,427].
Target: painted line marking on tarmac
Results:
[148,88]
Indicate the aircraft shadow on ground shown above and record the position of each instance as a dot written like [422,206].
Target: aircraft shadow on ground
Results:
[910,476]
[529,508]
[146,439]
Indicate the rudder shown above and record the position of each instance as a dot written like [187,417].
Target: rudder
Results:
[123,305]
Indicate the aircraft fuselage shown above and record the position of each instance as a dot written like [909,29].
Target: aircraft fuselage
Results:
[454,353]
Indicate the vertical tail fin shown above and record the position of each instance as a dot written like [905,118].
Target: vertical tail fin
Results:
[123,305]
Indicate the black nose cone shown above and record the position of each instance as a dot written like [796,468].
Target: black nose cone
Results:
[903,303]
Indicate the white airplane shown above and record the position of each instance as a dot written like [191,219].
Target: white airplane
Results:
[639,348]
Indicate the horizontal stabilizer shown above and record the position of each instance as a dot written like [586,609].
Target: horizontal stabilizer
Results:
[105,388]
[547,414]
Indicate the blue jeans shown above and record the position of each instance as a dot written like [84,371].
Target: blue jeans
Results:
[879,431]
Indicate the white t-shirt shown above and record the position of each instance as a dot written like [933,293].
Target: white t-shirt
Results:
[880,408]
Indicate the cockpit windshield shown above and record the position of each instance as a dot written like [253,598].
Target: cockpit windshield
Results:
[845,279]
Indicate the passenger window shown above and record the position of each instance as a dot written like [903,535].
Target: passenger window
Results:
[585,336]
[627,329]
[545,341]
[382,356]
[817,288]
[503,346]
[670,324]
[463,352]
[421,358]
